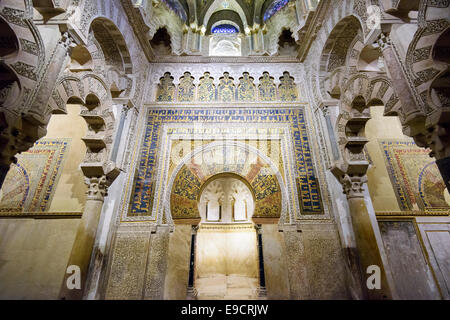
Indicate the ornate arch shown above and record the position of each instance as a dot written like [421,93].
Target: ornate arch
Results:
[26,63]
[225,15]
[162,19]
[94,94]
[340,55]
[113,44]
[266,187]
[359,93]
[84,14]
[420,62]
[237,6]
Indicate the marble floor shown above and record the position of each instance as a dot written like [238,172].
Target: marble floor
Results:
[226,287]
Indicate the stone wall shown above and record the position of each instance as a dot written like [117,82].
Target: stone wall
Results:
[33,256]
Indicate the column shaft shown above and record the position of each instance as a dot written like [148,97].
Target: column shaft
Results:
[366,243]
[191,292]
[262,291]
[80,255]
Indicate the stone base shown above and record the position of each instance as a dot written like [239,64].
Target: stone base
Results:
[191,293]
[261,293]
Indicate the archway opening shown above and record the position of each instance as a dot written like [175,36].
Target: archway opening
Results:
[8,39]
[227,256]
[161,42]
[286,44]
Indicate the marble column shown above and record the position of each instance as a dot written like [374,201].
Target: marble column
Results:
[157,264]
[85,237]
[191,291]
[262,291]
[366,243]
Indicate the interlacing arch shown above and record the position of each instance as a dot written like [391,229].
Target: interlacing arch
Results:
[360,92]
[340,55]
[421,64]
[94,95]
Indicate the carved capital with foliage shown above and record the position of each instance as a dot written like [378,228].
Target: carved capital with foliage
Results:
[97,188]
[353,185]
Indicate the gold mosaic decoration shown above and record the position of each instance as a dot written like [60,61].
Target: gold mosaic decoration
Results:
[267,88]
[186,88]
[246,88]
[166,89]
[287,89]
[226,88]
[206,89]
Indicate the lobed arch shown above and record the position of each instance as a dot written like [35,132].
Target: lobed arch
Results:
[92,58]
[282,204]
[72,86]
[94,95]
[204,85]
[226,175]
[360,92]
[277,37]
[161,22]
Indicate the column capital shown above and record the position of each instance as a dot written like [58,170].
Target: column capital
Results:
[258,228]
[353,185]
[97,188]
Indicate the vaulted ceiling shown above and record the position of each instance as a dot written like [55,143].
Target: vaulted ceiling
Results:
[244,13]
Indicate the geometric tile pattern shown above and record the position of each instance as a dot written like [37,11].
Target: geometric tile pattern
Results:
[30,184]
[414,175]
